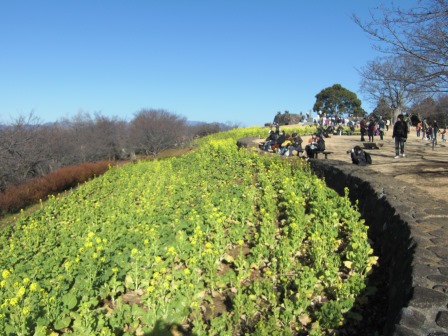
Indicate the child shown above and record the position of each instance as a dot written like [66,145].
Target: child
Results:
[443,132]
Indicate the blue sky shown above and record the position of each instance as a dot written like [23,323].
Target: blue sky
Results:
[237,61]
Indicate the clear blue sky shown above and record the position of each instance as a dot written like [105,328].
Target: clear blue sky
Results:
[236,61]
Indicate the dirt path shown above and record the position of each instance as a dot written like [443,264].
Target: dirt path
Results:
[423,167]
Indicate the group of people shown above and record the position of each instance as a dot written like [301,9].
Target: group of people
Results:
[430,131]
[399,133]
[401,130]
[282,143]
[372,128]
[289,145]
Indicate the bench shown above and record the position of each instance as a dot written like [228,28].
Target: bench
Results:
[325,153]
[299,151]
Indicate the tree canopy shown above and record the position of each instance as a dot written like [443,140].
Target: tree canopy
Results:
[336,100]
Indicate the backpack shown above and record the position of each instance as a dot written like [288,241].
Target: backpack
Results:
[359,157]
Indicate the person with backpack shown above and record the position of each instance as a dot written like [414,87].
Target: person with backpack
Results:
[359,157]
[400,134]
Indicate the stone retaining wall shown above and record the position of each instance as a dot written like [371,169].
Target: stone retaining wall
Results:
[409,233]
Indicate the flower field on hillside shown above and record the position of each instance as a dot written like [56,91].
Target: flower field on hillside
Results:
[220,241]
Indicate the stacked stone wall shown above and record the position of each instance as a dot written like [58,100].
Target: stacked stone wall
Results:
[409,233]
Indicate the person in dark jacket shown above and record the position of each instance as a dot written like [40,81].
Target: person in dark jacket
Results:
[270,140]
[296,144]
[359,157]
[371,130]
[362,128]
[435,130]
[400,134]
[280,140]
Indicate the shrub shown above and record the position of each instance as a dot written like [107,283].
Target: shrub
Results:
[16,197]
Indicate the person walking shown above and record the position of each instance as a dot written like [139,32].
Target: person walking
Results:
[425,127]
[381,127]
[435,130]
[400,134]
[418,128]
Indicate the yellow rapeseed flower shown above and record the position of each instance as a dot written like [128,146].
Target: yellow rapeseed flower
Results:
[33,287]
[13,302]
[6,274]
[171,250]
[21,292]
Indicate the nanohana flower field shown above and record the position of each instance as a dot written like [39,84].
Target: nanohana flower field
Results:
[220,241]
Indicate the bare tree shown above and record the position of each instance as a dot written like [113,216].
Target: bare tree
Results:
[22,150]
[420,34]
[432,109]
[390,79]
[90,139]
[109,137]
[152,131]
[204,129]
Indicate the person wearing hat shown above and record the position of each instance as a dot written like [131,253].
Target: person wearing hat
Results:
[400,134]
